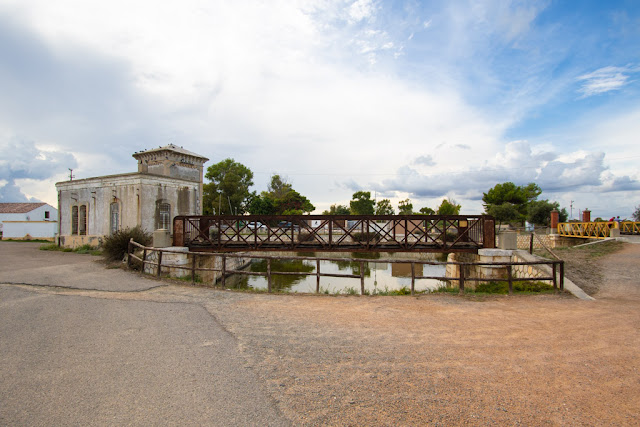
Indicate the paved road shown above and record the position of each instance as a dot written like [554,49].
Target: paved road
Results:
[76,350]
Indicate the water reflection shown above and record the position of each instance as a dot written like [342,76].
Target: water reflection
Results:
[378,276]
[404,269]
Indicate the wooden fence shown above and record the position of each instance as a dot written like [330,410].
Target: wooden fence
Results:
[557,267]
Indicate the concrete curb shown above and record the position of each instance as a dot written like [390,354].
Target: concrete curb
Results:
[568,284]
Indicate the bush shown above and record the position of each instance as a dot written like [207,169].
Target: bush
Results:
[518,286]
[116,245]
[306,237]
[366,237]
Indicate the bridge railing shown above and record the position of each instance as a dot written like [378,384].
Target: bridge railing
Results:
[597,229]
[629,227]
[352,233]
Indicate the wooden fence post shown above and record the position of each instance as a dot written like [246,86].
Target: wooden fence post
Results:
[555,280]
[361,277]
[144,258]
[269,275]
[413,277]
[317,276]
[193,269]
[224,271]
[461,280]
[510,278]
[159,262]
[531,244]
[562,275]
[129,252]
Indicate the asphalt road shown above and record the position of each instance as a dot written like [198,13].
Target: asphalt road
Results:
[74,350]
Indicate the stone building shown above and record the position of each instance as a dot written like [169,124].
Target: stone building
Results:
[168,183]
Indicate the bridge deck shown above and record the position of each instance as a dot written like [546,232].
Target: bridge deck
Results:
[336,233]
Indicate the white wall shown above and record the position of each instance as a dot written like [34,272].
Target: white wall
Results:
[35,229]
[38,214]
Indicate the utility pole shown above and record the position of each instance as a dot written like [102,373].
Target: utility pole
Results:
[571,205]
[71,176]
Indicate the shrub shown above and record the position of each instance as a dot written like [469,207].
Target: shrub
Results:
[116,245]
[518,286]
[306,237]
[365,236]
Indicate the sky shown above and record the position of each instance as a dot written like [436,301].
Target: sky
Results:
[406,99]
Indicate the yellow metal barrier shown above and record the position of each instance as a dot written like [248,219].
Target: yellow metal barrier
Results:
[587,230]
[629,227]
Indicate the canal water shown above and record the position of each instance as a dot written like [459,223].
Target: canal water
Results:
[379,276]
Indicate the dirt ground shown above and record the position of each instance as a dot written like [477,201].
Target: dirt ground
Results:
[447,360]
[439,359]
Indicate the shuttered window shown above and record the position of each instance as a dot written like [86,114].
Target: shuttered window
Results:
[74,220]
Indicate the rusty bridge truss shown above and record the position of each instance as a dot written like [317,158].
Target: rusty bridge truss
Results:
[347,233]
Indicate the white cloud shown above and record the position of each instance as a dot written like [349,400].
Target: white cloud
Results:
[603,80]
[325,92]
[362,9]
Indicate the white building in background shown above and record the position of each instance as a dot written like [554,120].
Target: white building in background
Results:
[168,183]
[28,221]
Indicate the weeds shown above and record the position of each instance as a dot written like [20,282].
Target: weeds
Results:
[116,245]
[84,249]
[502,288]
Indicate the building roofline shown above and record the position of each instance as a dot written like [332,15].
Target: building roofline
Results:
[26,207]
[124,175]
[172,148]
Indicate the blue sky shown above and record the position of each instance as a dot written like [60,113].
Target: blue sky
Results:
[406,99]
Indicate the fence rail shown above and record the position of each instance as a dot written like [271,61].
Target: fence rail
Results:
[348,233]
[557,268]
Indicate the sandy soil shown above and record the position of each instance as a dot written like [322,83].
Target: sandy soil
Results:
[443,360]
[438,359]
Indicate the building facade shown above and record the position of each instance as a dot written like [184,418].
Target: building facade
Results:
[168,183]
[28,221]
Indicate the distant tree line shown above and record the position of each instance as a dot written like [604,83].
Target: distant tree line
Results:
[228,193]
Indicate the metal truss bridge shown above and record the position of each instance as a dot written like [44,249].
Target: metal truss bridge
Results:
[335,233]
[597,229]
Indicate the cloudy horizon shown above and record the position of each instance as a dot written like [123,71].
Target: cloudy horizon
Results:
[406,99]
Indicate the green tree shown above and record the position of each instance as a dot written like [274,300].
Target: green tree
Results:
[279,187]
[405,207]
[362,204]
[261,205]
[516,195]
[539,212]
[427,211]
[337,210]
[383,207]
[449,207]
[293,203]
[280,199]
[228,191]
[504,213]
[636,214]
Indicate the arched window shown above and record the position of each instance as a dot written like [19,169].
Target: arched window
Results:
[163,215]
[114,211]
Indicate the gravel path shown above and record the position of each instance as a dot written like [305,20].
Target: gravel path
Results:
[434,359]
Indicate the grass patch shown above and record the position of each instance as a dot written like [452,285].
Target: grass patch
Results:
[595,250]
[187,278]
[523,287]
[27,241]
[84,249]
